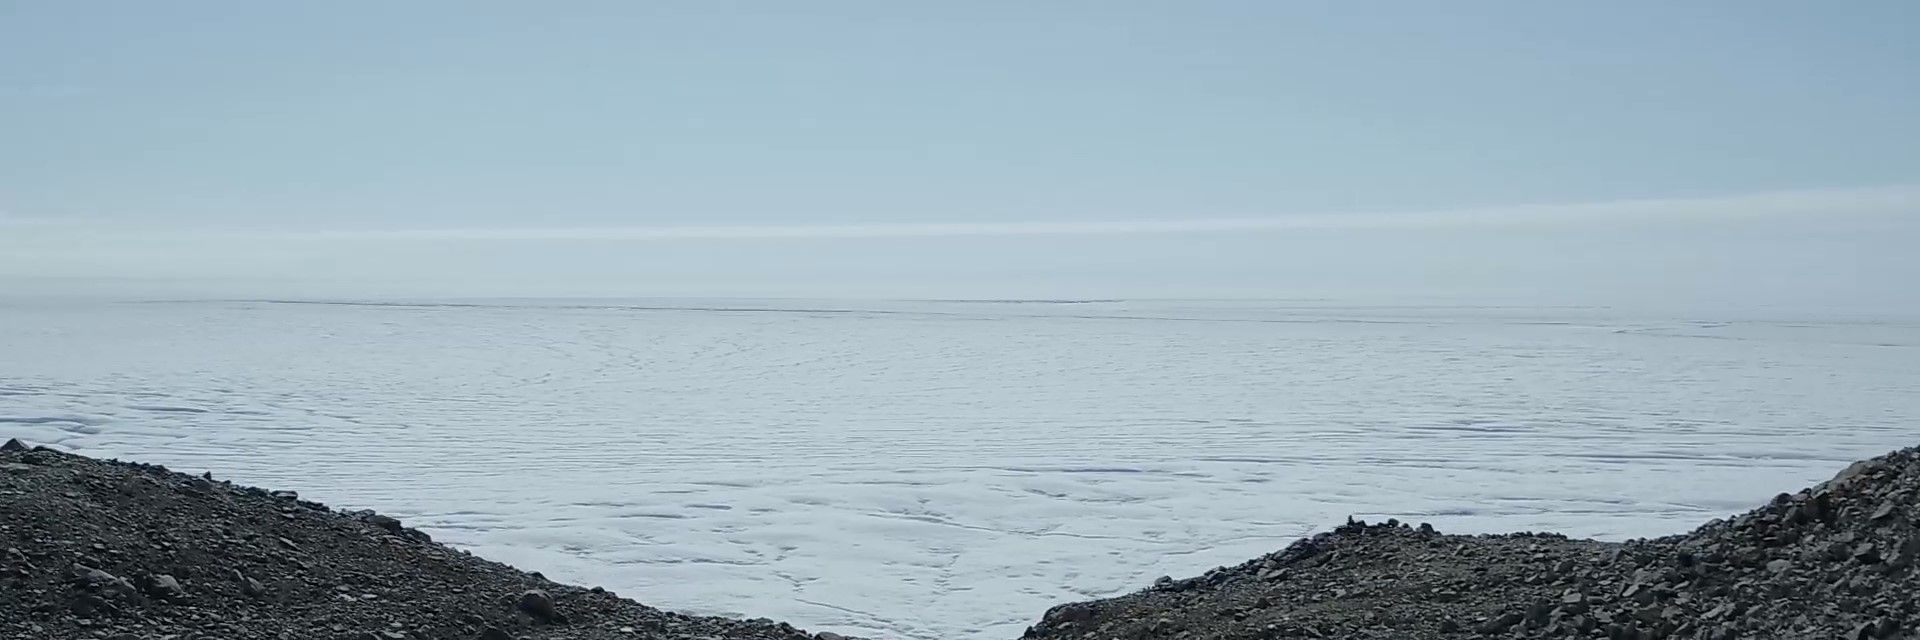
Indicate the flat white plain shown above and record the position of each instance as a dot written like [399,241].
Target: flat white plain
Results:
[952,469]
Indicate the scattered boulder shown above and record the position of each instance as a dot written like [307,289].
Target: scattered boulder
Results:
[539,605]
[164,587]
[1501,623]
[386,522]
[99,581]
[249,587]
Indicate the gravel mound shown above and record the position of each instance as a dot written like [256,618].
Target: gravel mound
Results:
[1832,561]
[121,551]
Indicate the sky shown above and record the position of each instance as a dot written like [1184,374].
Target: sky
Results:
[1756,153]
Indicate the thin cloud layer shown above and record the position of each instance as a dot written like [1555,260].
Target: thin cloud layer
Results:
[1816,249]
[1810,202]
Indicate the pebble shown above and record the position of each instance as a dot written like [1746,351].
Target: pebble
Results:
[538,604]
[166,587]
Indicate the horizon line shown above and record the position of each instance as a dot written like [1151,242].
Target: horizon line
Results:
[1829,201]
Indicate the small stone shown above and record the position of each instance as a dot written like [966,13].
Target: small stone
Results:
[1779,566]
[1447,625]
[1865,553]
[165,587]
[385,522]
[491,633]
[1882,513]
[538,604]
[1502,623]
[100,580]
[1538,614]
[828,635]
[251,588]
[87,604]
[14,444]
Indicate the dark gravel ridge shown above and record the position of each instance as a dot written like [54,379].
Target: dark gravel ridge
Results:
[124,551]
[1832,561]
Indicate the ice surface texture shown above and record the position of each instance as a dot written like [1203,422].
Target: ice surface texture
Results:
[952,469]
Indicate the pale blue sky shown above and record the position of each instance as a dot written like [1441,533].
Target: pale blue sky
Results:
[896,149]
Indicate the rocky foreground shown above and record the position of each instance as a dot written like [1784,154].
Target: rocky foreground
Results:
[1833,561]
[124,551]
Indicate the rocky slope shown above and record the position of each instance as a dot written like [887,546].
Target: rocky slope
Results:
[121,551]
[1833,561]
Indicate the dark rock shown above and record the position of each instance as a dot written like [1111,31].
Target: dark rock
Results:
[14,444]
[163,587]
[386,522]
[1885,511]
[1537,615]
[87,604]
[539,605]
[100,581]
[250,587]
[1501,623]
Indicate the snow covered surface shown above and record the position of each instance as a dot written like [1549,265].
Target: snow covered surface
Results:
[951,469]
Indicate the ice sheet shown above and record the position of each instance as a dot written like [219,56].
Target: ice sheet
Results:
[952,469]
